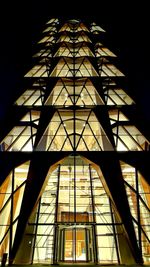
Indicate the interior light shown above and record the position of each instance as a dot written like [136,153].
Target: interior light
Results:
[19,170]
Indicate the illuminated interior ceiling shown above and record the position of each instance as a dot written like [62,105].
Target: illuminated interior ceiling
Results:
[74,158]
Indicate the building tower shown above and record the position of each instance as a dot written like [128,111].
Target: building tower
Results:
[74,160]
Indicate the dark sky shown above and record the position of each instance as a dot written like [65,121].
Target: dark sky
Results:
[126,23]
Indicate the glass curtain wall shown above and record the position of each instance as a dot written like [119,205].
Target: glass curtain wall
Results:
[74,103]
[11,195]
[75,218]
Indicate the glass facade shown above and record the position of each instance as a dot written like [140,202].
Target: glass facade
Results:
[74,170]
[76,210]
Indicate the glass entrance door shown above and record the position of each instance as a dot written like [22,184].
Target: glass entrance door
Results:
[76,245]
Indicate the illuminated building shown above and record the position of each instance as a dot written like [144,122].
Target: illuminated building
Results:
[74,160]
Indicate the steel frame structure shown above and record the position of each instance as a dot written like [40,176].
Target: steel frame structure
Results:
[74,159]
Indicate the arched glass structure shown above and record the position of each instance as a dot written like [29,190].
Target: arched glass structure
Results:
[74,159]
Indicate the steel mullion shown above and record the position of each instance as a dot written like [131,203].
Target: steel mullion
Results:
[7,230]
[114,231]
[74,146]
[84,143]
[65,86]
[78,96]
[120,96]
[145,205]
[132,137]
[40,97]
[138,209]
[16,137]
[90,94]
[141,229]
[104,221]
[87,68]
[10,196]
[118,137]
[67,63]
[36,227]
[58,95]
[28,96]
[30,138]
[11,212]
[93,132]
[109,97]
[55,220]
[31,130]
[95,137]
[75,202]
[65,142]
[86,122]
[61,122]
[94,219]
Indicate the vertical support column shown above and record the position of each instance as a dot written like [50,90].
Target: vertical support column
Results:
[36,227]
[74,98]
[11,213]
[31,130]
[55,246]
[94,220]
[138,209]
[75,208]
[74,149]
[114,232]
[117,129]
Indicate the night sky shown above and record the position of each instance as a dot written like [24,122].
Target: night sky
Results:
[127,28]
